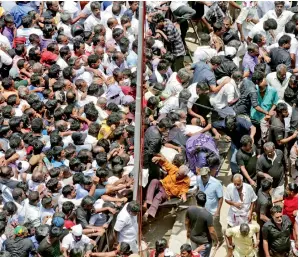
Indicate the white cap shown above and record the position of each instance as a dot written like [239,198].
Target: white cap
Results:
[77,230]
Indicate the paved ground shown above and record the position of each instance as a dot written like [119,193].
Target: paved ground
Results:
[171,226]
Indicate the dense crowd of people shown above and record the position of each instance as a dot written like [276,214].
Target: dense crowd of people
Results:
[67,118]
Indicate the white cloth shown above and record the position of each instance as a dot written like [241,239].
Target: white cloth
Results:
[5,59]
[194,96]
[32,214]
[282,20]
[26,32]
[237,216]
[68,242]
[294,42]
[170,104]
[273,81]
[62,63]
[176,4]
[66,29]
[204,53]
[227,93]
[173,86]
[4,42]
[247,12]
[62,200]
[98,219]
[127,227]
[259,29]
[91,22]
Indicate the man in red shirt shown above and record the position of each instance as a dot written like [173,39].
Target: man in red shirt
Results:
[186,251]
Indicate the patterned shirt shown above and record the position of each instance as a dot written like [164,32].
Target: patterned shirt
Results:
[174,38]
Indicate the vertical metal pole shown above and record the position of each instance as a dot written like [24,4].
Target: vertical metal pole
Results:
[138,116]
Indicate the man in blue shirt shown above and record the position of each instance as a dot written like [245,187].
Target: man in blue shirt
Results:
[267,97]
[214,192]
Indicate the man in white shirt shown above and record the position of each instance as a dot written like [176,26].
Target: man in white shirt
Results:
[176,102]
[27,29]
[229,93]
[65,24]
[279,79]
[241,198]
[265,28]
[281,16]
[126,226]
[176,82]
[204,52]
[76,239]
[32,211]
[94,18]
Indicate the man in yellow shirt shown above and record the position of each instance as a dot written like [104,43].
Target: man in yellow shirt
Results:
[243,240]
[175,184]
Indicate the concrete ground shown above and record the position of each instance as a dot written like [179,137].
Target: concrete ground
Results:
[171,226]
[178,234]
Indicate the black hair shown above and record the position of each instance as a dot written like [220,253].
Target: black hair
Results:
[230,122]
[201,199]
[266,184]
[245,140]
[67,190]
[165,123]
[257,77]
[101,158]
[275,209]
[87,200]
[10,207]
[41,232]
[52,184]
[102,173]
[68,207]
[186,248]
[285,39]
[293,187]
[161,245]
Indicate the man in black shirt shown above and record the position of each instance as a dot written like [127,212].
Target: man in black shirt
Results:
[246,160]
[83,215]
[199,225]
[152,145]
[271,166]
[276,234]
[264,202]
[281,55]
[20,245]
[50,245]
[277,128]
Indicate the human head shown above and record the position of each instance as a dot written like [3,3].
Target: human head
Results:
[218,28]
[87,203]
[133,208]
[270,24]
[259,39]
[201,199]
[279,7]
[182,172]
[161,245]
[253,49]
[159,19]
[164,124]
[244,229]
[246,143]
[96,9]
[215,62]
[281,72]
[227,22]
[186,250]
[292,189]
[238,181]
[276,214]
[202,88]
[266,185]
[269,149]
[230,122]
[282,110]
[259,79]
[204,173]
[285,42]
